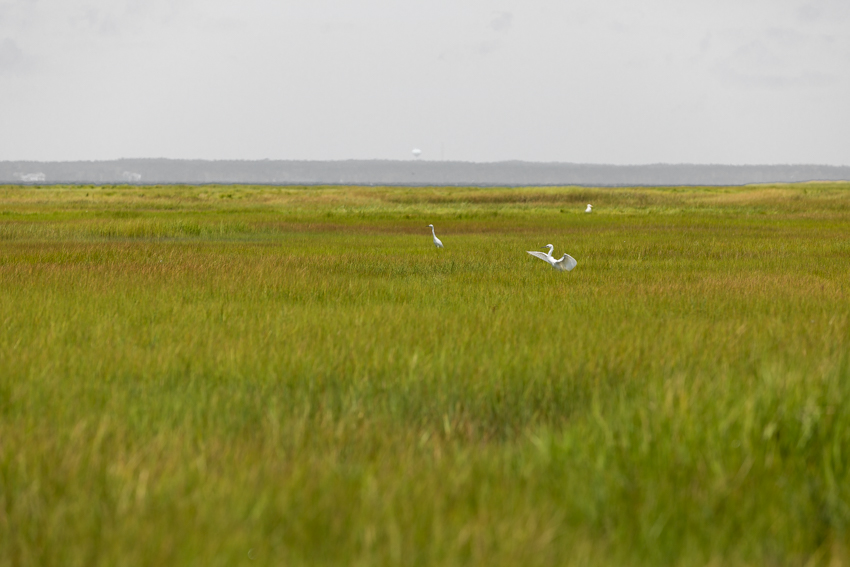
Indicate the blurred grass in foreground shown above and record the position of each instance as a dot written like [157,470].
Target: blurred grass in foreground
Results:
[295,376]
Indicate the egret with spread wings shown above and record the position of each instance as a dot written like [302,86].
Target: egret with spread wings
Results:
[565,264]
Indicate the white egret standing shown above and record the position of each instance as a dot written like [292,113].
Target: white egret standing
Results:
[565,264]
[589,208]
[437,241]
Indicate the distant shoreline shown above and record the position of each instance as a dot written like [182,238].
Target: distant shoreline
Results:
[404,173]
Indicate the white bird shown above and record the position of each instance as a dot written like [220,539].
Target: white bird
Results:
[437,242]
[589,208]
[565,264]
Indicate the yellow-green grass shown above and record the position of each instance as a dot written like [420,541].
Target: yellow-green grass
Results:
[221,375]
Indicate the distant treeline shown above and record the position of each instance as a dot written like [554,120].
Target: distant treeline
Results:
[386,172]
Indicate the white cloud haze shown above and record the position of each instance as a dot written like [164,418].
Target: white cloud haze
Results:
[746,81]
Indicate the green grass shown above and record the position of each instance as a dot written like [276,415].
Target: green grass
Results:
[225,375]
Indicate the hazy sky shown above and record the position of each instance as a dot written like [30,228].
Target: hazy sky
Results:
[591,81]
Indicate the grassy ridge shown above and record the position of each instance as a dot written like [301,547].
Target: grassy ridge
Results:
[194,374]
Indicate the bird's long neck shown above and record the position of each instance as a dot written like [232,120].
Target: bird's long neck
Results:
[433,233]
[550,247]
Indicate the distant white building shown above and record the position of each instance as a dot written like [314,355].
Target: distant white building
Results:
[131,177]
[31,177]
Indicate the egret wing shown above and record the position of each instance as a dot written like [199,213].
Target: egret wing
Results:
[566,263]
[541,255]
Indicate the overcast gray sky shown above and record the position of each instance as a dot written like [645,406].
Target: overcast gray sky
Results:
[591,81]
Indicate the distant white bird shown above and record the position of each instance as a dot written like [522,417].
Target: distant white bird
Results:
[588,209]
[565,264]
[437,242]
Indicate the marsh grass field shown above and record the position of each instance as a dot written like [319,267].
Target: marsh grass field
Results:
[238,375]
